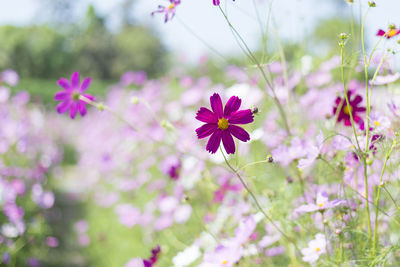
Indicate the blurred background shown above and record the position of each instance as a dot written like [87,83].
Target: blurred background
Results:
[44,40]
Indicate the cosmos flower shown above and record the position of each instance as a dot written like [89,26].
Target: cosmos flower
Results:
[154,257]
[169,10]
[70,96]
[216,2]
[315,248]
[355,109]
[390,33]
[220,123]
[322,203]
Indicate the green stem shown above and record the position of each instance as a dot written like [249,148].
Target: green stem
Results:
[378,196]
[256,201]
[251,56]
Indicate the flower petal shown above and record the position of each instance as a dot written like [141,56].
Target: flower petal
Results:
[357,99]
[232,105]
[216,105]
[228,142]
[82,108]
[239,133]
[63,107]
[381,32]
[214,141]
[73,109]
[206,115]
[64,83]
[241,117]
[206,130]
[61,96]
[85,84]
[75,80]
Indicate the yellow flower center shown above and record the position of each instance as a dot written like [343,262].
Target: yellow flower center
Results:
[225,262]
[377,123]
[346,110]
[320,205]
[223,124]
[317,249]
[171,6]
[391,32]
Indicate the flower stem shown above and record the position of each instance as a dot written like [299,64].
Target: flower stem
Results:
[256,201]
[378,196]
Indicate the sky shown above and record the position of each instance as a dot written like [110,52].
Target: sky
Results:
[199,20]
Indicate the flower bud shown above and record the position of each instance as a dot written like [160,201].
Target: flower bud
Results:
[338,231]
[371,3]
[100,106]
[134,100]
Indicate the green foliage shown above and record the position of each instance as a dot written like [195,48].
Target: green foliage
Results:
[45,52]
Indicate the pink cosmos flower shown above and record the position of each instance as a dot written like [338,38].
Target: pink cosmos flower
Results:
[216,2]
[355,109]
[390,33]
[322,203]
[220,123]
[69,97]
[315,248]
[169,10]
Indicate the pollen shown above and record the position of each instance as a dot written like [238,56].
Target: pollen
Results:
[391,33]
[346,110]
[223,124]
[377,123]
[224,262]
[317,249]
[171,6]
[75,96]
[320,205]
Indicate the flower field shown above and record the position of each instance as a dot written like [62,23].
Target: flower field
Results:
[273,158]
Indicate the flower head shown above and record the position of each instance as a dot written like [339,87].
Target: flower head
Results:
[169,10]
[390,33]
[315,248]
[221,123]
[344,112]
[216,2]
[154,257]
[322,203]
[70,97]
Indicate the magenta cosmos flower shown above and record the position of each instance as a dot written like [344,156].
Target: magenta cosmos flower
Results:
[355,109]
[169,10]
[220,123]
[69,97]
[216,2]
[390,33]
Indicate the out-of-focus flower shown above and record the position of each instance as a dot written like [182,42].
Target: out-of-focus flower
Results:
[322,203]
[315,248]
[223,256]
[186,257]
[220,123]
[10,77]
[155,252]
[226,186]
[344,112]
[171,166]
[169,10]
[70,96]
[52,242]
[390,33]
[33,262]
[390,78]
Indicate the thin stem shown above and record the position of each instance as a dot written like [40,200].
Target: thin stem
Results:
[256,201]
[250,54]
[378,196]
[358,145]
[251,164]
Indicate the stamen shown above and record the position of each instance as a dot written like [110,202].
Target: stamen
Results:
[346,110]
[223,124]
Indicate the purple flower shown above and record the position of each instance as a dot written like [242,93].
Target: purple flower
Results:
[220,123]
[390,33]
[70,96]
[168,10]
[315,248]
[322,203]
[10,77]
[355,109]
[155,252]
[52,242]
[216,2]
[171,166]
